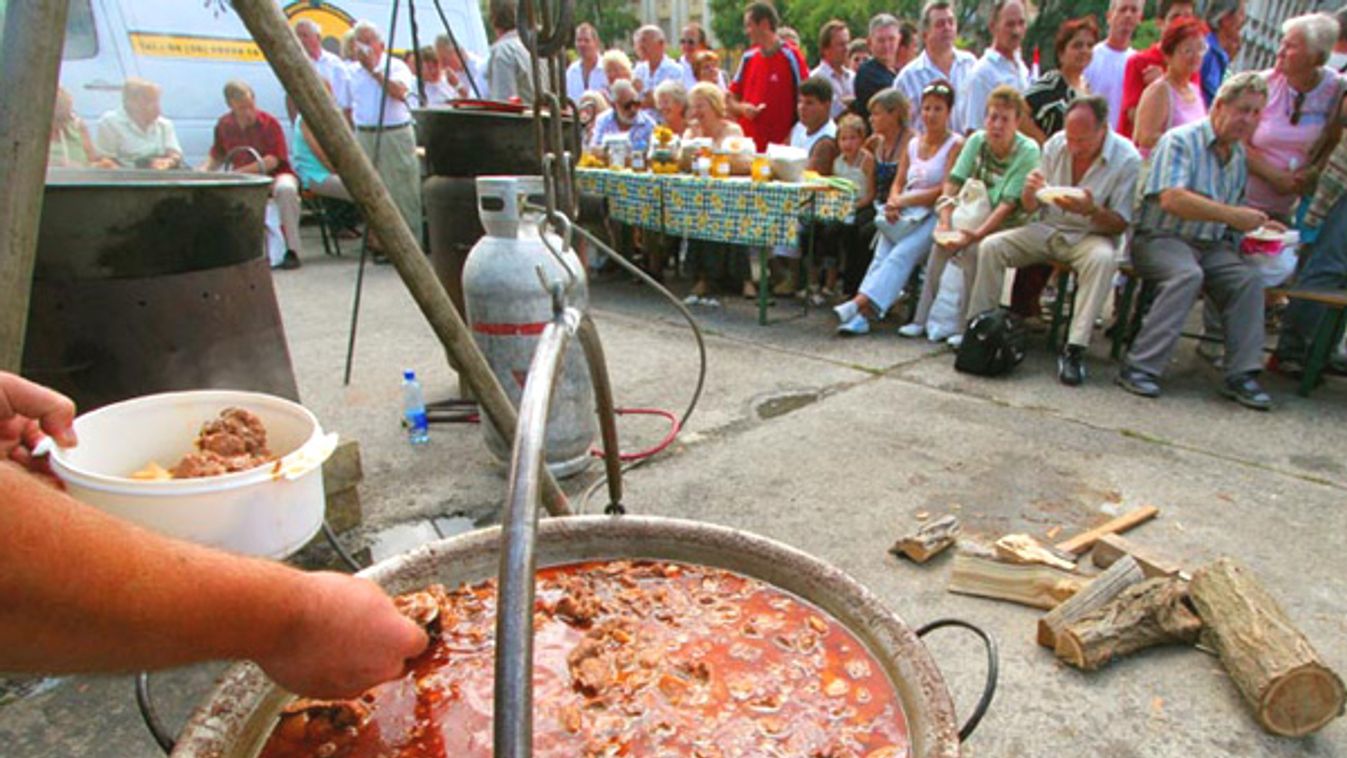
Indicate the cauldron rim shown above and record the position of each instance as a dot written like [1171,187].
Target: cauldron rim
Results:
[238,715]
[135,178]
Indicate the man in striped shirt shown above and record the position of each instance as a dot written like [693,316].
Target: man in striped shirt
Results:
[940,60]
[1186,241]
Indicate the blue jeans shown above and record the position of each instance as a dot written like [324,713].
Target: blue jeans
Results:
[1326,269]
[894,263]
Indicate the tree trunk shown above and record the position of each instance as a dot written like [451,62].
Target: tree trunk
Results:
[1154,612]
[1100,590]
[1291,690]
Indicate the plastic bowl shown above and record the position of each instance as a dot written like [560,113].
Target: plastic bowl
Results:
[271,511]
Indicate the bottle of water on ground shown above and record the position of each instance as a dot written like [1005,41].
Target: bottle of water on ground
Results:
[414,409]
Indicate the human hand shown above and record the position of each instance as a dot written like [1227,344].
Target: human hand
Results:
[1035,181]
[1247,219]
[347,638]
[106,163]
[1302,181]
[364,54]
[1275,225]
[891,211]
[29,412]
[1151,73]
[162,163]
[751,111]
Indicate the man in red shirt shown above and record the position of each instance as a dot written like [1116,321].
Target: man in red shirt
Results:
[1149,64]
[767,85]
[247,126]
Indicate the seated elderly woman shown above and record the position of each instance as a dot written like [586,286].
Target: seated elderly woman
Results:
[588,108]
[904,240]
[70,145]
[707,260]
[671,100]
[706,68]
[616,67]
[1000,157]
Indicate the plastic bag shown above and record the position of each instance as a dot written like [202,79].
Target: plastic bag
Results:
[944,319]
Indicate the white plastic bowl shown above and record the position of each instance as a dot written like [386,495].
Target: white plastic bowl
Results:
[269,511]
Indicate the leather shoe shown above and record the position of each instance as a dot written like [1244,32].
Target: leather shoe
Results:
[290,262]
[1138,382]
[1245,390]
[1071,366]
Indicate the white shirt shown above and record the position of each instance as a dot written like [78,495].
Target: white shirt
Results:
[668,69]
[1111,179]
[575,79]
[801,138]
[992,71]
[1105,76]
[337,73]
[921,71]
[437,93]
[367,93]
[843,82]
[474,70]
[121,138]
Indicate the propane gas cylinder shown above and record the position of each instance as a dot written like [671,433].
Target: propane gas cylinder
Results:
[508,309]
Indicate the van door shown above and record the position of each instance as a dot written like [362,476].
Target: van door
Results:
[92,63]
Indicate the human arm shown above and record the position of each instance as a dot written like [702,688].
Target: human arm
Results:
[1152,115]
[395,85]
[314,147]
[868,168]
[1186,204]
[87,592]
[1032,130]
[1133,85]
[96,158]
[822,156]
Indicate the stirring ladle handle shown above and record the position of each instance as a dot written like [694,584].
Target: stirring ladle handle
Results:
[993,671]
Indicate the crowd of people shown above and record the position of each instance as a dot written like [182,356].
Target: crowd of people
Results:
[1164,158]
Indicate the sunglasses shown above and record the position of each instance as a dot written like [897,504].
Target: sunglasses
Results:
[629,106]
[937,89]
[1296,107]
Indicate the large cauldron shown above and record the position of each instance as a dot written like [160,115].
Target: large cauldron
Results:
[147,281]
[242,711]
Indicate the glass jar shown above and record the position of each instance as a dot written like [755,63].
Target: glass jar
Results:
[762,169]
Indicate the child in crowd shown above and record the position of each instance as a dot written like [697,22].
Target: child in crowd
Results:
[857,164]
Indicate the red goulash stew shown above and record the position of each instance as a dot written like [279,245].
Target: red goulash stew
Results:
[630,659]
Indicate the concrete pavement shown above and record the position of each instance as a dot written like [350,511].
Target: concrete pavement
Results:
[835,446]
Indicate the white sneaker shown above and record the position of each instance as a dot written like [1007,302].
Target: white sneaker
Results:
[857,325]
[692,300]
[937,335]
[955,341]
[911,330]
[846,311]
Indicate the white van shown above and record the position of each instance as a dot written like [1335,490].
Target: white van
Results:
[190,48]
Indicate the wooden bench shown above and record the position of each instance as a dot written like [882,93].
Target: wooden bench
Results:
[1328,334]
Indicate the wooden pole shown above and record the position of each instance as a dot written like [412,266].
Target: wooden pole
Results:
[30,64]
[269,29]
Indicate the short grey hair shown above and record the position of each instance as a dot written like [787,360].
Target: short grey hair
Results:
[674,89]
[1113,4]
[237,89]
[310,24]
[1320,31]
[649,30]
[135,88]
[1239,85]
[616,57]
[1095,104]
[620,86]
[364,25]
[883,21]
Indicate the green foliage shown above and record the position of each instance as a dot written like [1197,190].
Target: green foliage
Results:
[727,22]
[1051,16]
[1147,34]
[614,21]
[809,17]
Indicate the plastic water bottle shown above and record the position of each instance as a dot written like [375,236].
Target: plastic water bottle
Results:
[414,409]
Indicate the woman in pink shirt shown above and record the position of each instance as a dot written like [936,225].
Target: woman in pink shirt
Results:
[1173,100]
[1298,124]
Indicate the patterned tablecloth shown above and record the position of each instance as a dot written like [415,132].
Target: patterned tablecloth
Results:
[734,210]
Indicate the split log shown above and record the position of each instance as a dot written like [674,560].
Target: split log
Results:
[1112,547]
[1032,584]
[1085,540]
[1154,612]
[1102,589]
[1021,548]
[929,540]
[1291,690]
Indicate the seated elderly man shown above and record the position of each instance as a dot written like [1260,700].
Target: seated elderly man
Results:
[1080,231]
[1192,200]
[626,117]
[137,135]
[247,126]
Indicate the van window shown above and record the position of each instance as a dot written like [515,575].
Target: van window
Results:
[81,41]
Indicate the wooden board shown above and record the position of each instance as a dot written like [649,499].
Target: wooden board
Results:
[928,540]
[1084,541]
[1112,547]
[1102,589]
[1032,584]
[1276,668]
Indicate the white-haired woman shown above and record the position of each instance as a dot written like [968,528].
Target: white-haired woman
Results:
[713,260]
[616,67]
[671,100]
[1300,123]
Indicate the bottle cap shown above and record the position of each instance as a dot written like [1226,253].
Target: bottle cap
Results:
[408,374]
